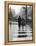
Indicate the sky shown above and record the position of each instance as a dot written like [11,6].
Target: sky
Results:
[16,8]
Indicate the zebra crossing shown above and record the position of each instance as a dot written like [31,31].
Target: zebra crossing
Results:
[15,34]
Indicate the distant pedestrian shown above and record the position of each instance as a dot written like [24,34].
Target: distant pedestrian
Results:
[19,22]
[23,23]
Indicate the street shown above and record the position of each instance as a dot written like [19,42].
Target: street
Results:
[13,32]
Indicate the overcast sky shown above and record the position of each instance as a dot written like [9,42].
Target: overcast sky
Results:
[16,8]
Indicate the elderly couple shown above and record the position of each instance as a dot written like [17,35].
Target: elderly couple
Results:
[21,22]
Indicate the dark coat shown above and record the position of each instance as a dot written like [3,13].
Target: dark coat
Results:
[23,22]
[19,21]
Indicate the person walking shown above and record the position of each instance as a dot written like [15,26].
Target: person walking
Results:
[19,22]
[23,23]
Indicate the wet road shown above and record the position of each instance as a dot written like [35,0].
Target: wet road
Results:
[15,34]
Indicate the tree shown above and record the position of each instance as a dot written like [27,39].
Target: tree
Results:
[10,14]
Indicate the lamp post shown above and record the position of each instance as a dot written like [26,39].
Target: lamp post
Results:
[26,13]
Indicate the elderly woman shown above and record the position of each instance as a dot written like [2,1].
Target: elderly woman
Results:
[23,23]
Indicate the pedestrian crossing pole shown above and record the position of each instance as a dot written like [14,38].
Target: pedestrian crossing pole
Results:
[26,16]
[26,13]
